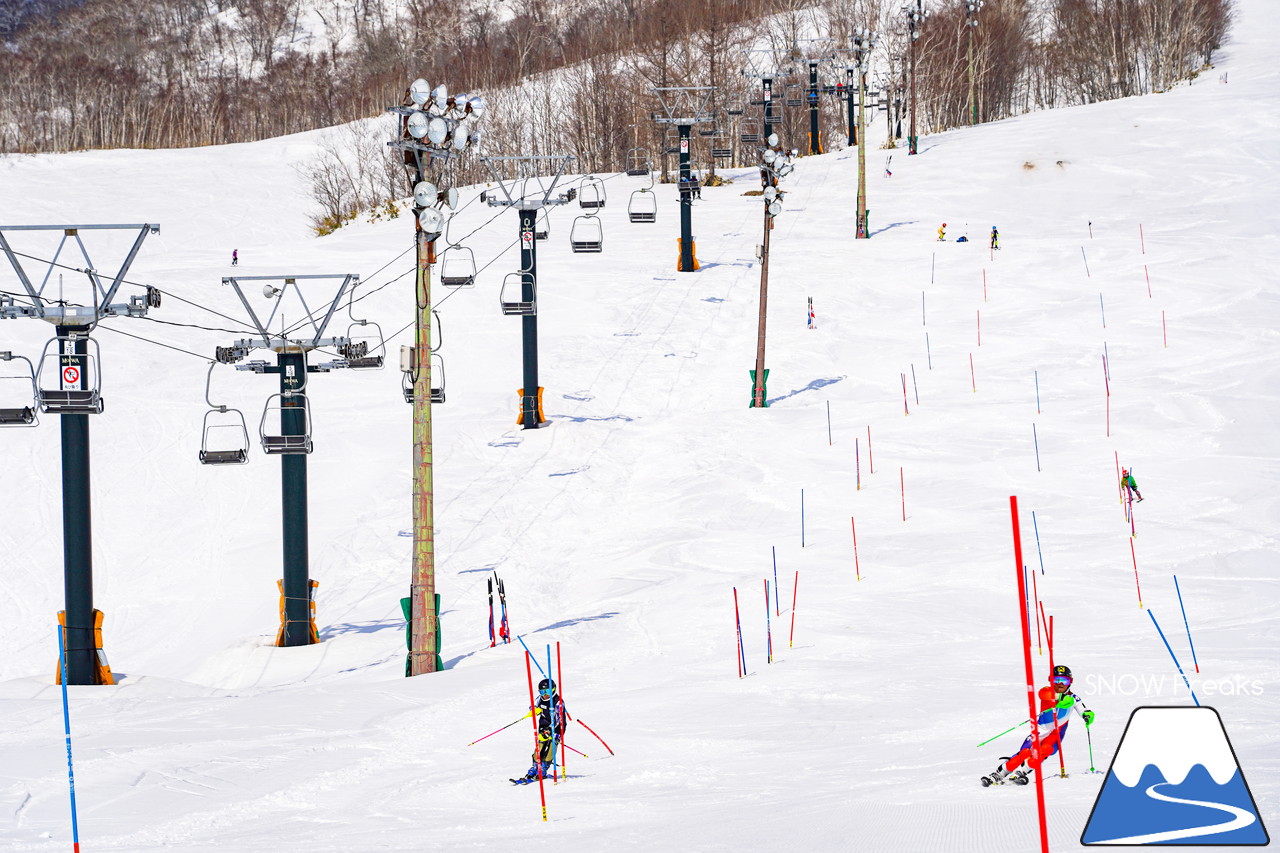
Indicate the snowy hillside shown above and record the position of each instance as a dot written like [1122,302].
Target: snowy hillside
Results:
[623,530]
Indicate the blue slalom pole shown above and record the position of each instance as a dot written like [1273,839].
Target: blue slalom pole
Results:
[1184,621]
[1086,263]
[928,350]
[914,386]
[1106,363]
[1036,527]
[66,722]
[829,440]
[1172,655]
[776,606]
[1037,392]
[1036,439]
[548,661]
[1104,311]
[532,658]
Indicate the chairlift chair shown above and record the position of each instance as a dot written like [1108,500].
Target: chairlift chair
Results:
[21,416]
[437,378]
[793,95]
[362,351]
[734,111]
[587,234]
[233,433]
[79,370]
[542,226]
[591,194]
[707,131]
[643,206]
[750,132]
[512,296]
[720,148]
[458,267]
[638,163]
[286,445]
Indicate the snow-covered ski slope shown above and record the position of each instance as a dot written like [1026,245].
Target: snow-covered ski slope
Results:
[622,530]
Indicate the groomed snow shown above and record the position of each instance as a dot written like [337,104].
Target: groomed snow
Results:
[622,530]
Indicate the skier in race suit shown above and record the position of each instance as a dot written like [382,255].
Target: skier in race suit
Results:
[1057,703]
[552,718]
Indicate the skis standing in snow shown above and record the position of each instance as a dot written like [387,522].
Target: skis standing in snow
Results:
[1057,703]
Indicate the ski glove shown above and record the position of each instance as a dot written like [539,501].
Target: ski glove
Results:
[1088,718]
[1066,701]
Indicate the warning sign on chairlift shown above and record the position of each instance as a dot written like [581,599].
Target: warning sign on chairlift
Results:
[71,375]
[684,146]
[526,240]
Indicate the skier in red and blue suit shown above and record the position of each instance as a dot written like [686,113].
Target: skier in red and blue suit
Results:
[1057,703]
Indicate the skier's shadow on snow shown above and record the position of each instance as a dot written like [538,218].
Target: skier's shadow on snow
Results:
[892,226]
[812,386]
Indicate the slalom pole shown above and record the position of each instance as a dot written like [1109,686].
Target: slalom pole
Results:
[493,640]
[857,464]
[973,378]
[1030,679]
[1036,528]
[503,729]
[1035,438]
[742,654]
[66,723]
[1037,375]
[984,280]
[768,624]
[902,484]
[914,386]
[905,410]
[1188,626]
[928,350]
[1175,657]
[794,589]
[1141,239]
[830,441]
[1086,263]
[1035,594]
[531,657]
[593,731]
[1048,633]
[1104,309]
[560,692]
[1164,330]
[1135,571]
[802,518]
[776,606]
[857,570]
[870,459]
[537,747]
[1148,275]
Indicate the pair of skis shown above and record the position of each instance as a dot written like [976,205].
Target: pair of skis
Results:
[503,629]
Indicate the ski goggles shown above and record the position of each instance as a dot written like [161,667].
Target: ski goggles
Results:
[1062,680]
[545,692]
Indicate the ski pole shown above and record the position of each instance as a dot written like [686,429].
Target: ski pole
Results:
[504,728]
[593,731]
[1003,733]
[571,749]
[1089,735]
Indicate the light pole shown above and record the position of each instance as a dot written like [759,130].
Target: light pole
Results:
[775,164]
[915,18]
[971,9]
[864,40]
[434,127]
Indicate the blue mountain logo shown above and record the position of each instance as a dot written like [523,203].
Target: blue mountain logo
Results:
[1175,780]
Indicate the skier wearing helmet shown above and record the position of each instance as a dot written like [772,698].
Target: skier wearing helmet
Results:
[942,233]
[1127,481]
[552,718]
[1057,703]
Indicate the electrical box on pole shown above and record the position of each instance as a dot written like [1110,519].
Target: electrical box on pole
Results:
[68,382]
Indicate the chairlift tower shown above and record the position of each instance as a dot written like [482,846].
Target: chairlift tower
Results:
[815,53]
[685,106]
[432,127]
[293,441]
[520,185]
[74,396]
[764,66]
[915,19]
[863,42]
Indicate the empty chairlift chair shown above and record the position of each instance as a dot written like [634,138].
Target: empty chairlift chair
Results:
[643,206]
[10,414]
[638,163]
[720,148]
[224,440]
[750,132]
[276,444]
[587,234]
[69,384]
[458,267]
[542,226]
[794,97]
[591,195]
[512,296]
[437,378]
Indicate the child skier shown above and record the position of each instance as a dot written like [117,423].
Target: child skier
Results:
[235,257]
[1056,705]
[1127,481]
[552,718]
[942,233]
[995,238]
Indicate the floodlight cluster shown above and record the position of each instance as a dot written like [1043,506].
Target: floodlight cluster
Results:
[864,40]
[971,10]
[775,164]
[440,120]
[915,18]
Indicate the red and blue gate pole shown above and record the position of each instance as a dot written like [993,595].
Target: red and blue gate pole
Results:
[66,721]
[1019,570]
[742,654]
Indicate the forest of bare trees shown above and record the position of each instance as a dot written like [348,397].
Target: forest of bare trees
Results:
[562,76]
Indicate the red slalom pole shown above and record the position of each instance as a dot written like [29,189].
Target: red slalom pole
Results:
[1135,571]
[984,285]
[1148,275]
[1035,594]
[742,654]
[794,589]
[1062,761]
[870,459]
[1164,330]
[1030,676]
[593,731]
[856,568]
[537,747]
[1142,239]
[972,376]
[560,689]
[902,484]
